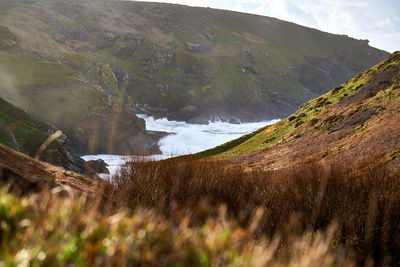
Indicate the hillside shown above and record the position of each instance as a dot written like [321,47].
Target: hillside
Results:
[320,188]
[55,93]
[356,121]
[30,134]
[185,63]
[27,175]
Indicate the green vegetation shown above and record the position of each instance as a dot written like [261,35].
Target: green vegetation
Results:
[7,39]
[279,132]
[393,156]
[71,236]
[229,145]
[29,70]
[30,134]
[27,81]
[256,65]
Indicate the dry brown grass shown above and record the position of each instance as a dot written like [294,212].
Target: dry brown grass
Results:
[363,202]
[201,213]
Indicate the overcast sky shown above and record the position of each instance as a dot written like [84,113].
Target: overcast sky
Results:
[375,20]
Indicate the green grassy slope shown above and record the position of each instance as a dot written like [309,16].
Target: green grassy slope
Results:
[58,94]
[280,132]
[49,91]
[30,134]
[216,62]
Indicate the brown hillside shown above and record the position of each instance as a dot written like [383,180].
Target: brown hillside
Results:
[26,173]
[357,121]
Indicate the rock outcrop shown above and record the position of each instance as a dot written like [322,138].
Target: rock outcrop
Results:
[112,128]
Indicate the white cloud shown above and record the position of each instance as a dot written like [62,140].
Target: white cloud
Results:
[376,20]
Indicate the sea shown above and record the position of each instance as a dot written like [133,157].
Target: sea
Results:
[184,138]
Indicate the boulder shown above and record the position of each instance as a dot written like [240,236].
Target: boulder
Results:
[121,75]
[199,120]
[246,51]
[197,48]
[94,167]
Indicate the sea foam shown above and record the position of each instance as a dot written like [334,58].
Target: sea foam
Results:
[184,138]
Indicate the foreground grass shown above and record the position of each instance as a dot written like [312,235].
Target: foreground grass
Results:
[50,230]
[362,201]
[186,212]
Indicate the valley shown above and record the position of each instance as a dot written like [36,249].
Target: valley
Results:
[150,134]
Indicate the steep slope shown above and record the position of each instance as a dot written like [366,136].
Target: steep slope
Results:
[27,174]
[356,121]
[186,63]
[57,94]
[30,134]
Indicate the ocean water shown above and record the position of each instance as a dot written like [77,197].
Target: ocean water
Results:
[185,138]
[192,138]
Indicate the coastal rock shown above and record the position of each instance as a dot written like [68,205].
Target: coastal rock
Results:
[109,36]
[246,51]
[102,75]
[199,120]
[112,129]
[121,75]
[126,51]
[94,167]
[197,48]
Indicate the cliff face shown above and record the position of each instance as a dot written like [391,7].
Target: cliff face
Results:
[355,122]
[186,63]
[113,128]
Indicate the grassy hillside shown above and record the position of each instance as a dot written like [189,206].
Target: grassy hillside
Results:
[362,108]
[49,91]
[188,63]
[30,134]
[56,93]
[320,188]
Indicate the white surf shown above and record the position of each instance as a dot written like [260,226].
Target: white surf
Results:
[185,138]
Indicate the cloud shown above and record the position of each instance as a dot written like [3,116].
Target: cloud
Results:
[378,21]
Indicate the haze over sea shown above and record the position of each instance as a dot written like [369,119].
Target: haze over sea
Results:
[185,138]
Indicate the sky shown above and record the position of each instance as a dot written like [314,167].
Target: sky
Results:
[375,20]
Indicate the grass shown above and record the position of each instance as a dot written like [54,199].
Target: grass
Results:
[71,236]
[26,79]
[30,134]
[188,212]
[29,70]
[229,145]
[287,45]
[316,195]
[6,38]
[279,132]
